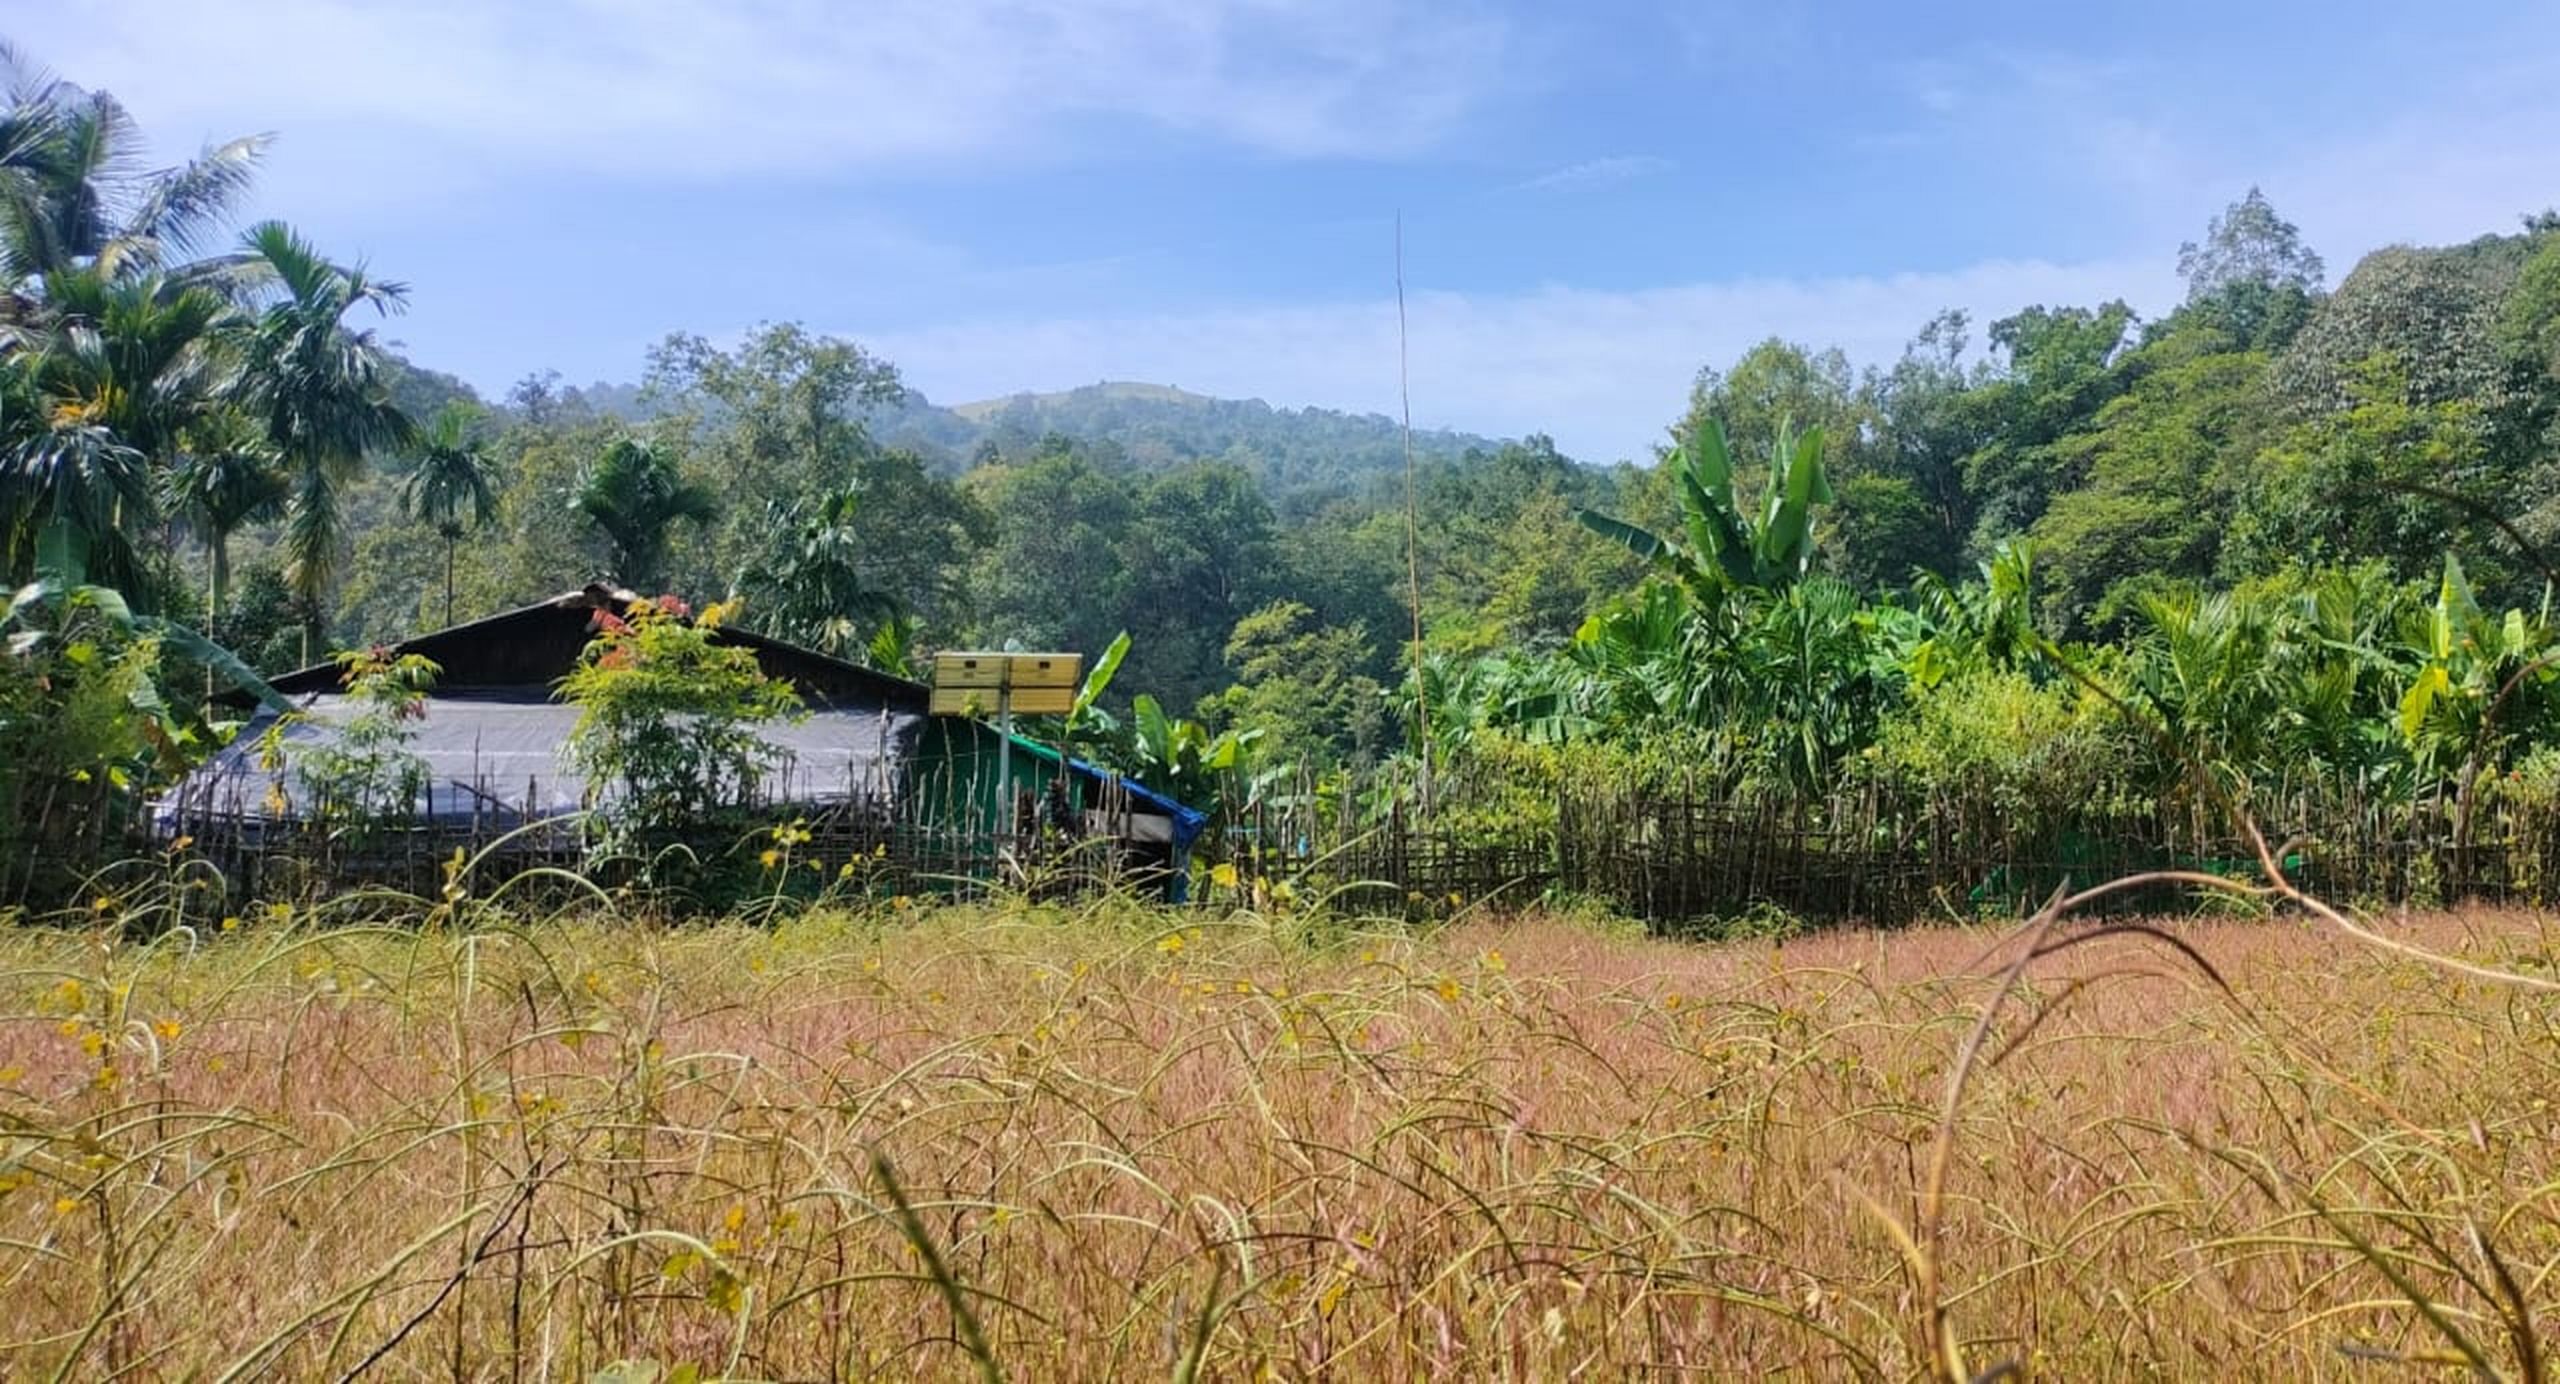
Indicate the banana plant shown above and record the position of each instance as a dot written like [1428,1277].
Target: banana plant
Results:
[2480,681]
[1182,759]
[20,610]
[1087,719]
[1722,546]
[2471,672]
[79,688]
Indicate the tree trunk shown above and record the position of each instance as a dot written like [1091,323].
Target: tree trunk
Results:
[449,540]
[215,562]
[218,578]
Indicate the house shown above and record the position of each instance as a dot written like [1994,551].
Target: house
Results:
[867,749]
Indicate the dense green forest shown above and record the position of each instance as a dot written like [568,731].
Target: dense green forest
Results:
[2243,514]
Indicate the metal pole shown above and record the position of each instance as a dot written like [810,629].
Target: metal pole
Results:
[1004,758]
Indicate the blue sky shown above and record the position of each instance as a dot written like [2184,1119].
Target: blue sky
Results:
[1597,199]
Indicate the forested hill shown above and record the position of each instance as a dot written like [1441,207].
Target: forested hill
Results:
[1300,456]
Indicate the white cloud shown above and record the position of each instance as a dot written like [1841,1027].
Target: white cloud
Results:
[701,87]
[1616,168]
[1604,373]
[2453,141]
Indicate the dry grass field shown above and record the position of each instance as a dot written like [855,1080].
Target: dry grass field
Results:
[1118,1143]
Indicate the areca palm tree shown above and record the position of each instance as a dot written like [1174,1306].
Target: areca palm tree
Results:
[634,494]
[65,477]
[320,387]
[134,360]
[226,476]
[452,484]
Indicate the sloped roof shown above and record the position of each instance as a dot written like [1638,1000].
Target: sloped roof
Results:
[533,647]
[1188,822]
[497,759]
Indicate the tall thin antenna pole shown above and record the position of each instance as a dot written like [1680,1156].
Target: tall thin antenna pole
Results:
[1412,526]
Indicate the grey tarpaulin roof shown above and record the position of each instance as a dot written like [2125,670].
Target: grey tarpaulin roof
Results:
[499,759]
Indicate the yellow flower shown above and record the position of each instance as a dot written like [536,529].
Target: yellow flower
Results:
[181,844]
[1170,943]
[1493,961]
[64,1206]
[1448,989]
[167,1029]
[770,858]
[231,923]
[1223,874]
[102,904]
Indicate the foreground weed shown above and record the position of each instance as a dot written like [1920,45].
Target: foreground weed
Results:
[1095,1139]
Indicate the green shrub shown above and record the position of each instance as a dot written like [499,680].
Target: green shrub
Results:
[363,772]
[1997,739]
[667,720]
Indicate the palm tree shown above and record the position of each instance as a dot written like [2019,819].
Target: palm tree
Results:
[634,494]
[319,387]
[74,193]
[139,358]
[65,477]
[452,483]
[112,337]
[227,476]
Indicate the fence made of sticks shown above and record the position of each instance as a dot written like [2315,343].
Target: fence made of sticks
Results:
[1681,858]
[886,840]
[1687,857]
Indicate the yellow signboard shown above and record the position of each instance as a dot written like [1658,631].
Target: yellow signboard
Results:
[1044,701]
[975,684]
[968,670]
[1040,670]
[963,701]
